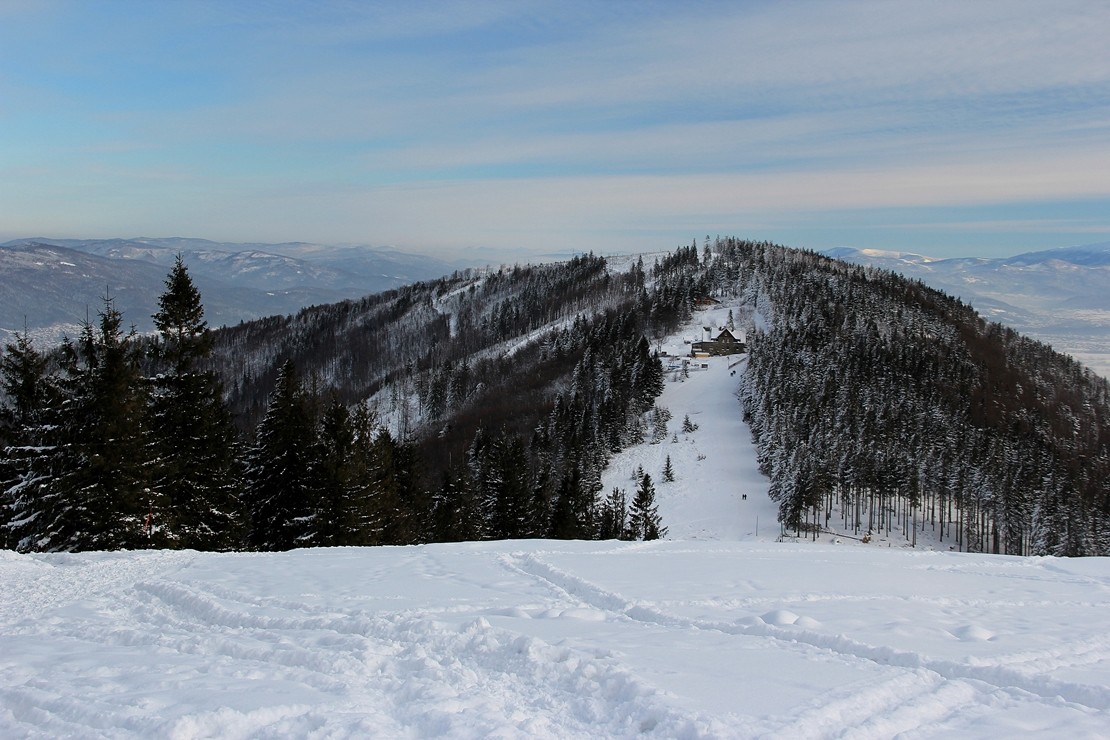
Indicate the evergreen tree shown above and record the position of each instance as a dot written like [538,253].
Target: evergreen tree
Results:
[27,388]
[336,520]
[644,522]
[193,442]
[613,517]
[668,470]
[356,514]
[659,418]
[280,488]
[504,486]
[30,395]
[401,514]
[92,490]
[575,508]
[456,514]
[648,376]
[185,338]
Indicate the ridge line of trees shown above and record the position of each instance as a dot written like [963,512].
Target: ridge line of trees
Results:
[498,398]
[115,441]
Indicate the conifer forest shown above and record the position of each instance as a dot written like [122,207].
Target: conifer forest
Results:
[486,404]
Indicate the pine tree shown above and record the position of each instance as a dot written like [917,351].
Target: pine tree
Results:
[505,489]
[574,513]
[668,470]
[456,514]
[93,481]
[644,522]
[613,517]
[647,376]
[27,388]
[336,520]
[400,511]
[659,418]
[356,513]
[185,338]
[30,396]
[192,438]
[280,488]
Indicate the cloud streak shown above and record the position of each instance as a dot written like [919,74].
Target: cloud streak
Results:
[523,126]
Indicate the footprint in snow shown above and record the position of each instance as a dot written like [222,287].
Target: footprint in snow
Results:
[785,617]
[972,633]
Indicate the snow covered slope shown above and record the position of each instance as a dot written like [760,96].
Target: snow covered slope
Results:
[718,491]
[718,631]
[554,639]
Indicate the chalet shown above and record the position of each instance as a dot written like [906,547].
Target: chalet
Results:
[701,304]
[724,343]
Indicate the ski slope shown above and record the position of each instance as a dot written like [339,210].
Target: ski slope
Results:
[719,631]
[718,492]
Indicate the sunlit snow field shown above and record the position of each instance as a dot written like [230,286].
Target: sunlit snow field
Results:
[718,631]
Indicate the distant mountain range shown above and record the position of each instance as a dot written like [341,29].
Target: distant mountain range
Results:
[50,286]
[1059,296]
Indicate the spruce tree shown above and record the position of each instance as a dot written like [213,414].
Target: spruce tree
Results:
[505,488]
[613,516]
[280,489]
[400,512]
[27,388]
[192,438]
[456,514]
[644,522]
[92,478]
[337,521]
[30,396]
[357,520]
[565,524]
[648,376]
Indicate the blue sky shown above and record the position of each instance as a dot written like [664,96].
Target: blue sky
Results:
[522,128]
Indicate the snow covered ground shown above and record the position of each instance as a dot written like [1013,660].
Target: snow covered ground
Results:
[552,639]
[717,631]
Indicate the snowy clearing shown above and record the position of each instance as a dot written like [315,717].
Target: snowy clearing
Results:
[718,631]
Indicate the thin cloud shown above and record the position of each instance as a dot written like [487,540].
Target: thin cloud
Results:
[439,121]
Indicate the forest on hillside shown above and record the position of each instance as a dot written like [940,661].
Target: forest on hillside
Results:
[886,403]
[486,404]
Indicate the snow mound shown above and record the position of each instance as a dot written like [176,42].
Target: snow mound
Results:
[973,633]
[780,617]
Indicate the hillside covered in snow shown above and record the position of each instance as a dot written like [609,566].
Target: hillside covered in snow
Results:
[496,404]
[721,630]
[443,529]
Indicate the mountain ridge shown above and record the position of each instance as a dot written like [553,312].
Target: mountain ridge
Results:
[45,291]
[1058,296]
[501,396]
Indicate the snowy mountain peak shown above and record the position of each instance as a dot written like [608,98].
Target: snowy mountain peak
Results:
[853,254]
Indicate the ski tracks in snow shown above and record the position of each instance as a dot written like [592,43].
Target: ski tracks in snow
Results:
[282,667]
[920,696]
[534,640]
